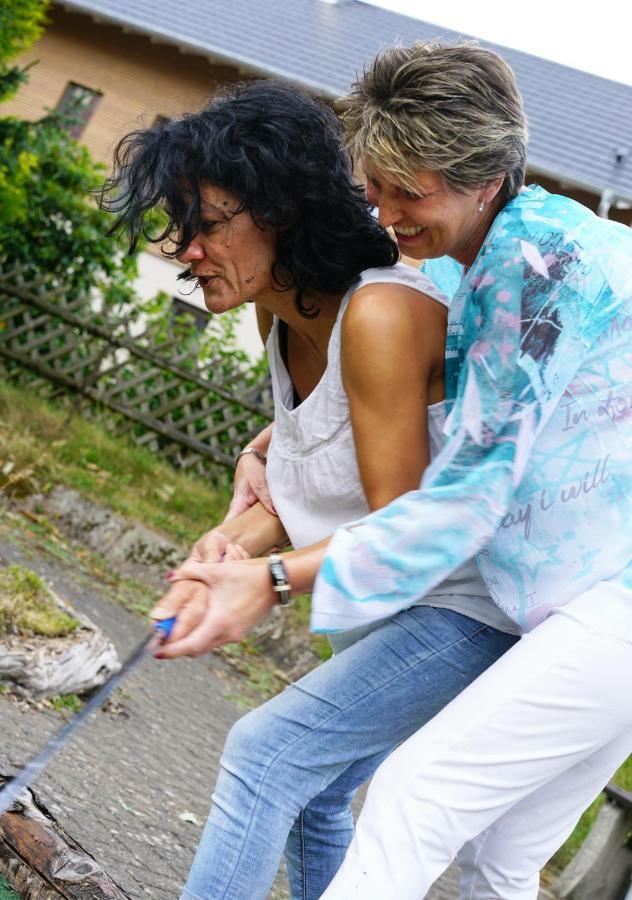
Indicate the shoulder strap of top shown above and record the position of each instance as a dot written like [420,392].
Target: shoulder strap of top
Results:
[282,332]
[278,375]
[401,273]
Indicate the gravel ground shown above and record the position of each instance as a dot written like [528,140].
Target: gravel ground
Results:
[133,787]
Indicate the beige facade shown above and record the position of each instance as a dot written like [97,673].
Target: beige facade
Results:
[138,79]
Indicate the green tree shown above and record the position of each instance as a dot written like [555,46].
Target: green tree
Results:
[50,225]
[52,230]
[49,222]
[21,23]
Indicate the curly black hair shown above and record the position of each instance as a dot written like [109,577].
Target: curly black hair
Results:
[280,153]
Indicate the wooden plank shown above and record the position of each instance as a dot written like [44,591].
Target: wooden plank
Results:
[40,329]
[42,861]
[223,458]
[136,381]
[25,880]
[619,796]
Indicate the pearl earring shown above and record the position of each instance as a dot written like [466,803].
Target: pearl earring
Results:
[481,206]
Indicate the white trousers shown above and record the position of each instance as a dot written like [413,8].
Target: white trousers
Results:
[502,774]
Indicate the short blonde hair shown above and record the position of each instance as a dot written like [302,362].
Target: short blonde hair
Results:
[450,108]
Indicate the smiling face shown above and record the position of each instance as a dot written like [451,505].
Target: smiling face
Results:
[429,218]
[231,257]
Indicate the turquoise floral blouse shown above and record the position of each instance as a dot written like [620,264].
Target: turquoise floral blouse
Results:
[535,478]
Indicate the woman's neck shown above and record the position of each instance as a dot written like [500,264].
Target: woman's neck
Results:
[313,333]
[469,250]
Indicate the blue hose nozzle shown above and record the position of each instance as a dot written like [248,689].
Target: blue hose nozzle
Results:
[163,627]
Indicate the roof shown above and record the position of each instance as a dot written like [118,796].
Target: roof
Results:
[579,123]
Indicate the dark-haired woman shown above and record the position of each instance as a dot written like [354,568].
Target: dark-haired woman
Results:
[264,208]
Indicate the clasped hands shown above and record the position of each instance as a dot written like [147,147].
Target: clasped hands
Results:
[217,595]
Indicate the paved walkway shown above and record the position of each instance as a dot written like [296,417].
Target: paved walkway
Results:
[126,786]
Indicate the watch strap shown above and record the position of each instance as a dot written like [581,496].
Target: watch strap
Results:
[280,582]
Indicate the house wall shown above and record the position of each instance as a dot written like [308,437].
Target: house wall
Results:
[139,80]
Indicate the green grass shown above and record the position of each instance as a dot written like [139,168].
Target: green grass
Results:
[262,678]
[5,891]
[27,607]
[43,443]
[301,612]
[623,777]
[66,702]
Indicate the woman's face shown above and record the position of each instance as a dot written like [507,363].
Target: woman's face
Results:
[230,256]
[429,219]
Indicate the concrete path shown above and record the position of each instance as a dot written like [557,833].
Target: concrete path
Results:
[134,786]
[121,787]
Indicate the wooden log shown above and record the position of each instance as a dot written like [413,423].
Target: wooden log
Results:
[22,878]
[41,862]
[46,667]
[619,796]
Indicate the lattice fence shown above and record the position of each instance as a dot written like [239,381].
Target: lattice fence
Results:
[197,418]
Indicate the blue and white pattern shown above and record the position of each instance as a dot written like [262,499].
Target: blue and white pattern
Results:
[446,273]
[536,474]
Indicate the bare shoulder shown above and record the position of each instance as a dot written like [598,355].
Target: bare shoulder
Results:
[383,314]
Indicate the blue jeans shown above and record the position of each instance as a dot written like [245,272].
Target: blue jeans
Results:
[291,767]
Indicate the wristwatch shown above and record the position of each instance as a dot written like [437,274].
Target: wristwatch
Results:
[280,582]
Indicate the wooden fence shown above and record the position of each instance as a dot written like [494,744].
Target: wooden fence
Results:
[197,417]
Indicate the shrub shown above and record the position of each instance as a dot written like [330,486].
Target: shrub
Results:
[21,23]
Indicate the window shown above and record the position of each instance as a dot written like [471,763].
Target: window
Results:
[180,307]
[78,102]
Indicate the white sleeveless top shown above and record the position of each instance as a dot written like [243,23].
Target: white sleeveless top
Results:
[312,470]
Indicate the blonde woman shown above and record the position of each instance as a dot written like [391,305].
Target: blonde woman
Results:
[535,478]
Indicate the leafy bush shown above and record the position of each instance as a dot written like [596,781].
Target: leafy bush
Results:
[21,23]
[49,222]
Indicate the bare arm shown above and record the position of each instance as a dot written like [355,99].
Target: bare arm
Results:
[255,530]
[250,485]
[392,351]
[392,360]
[392,357]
